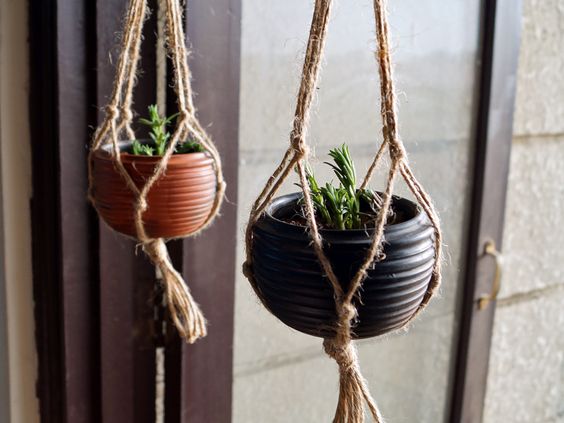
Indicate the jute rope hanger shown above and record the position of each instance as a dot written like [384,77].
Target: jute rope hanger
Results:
[354,392]
[184,311]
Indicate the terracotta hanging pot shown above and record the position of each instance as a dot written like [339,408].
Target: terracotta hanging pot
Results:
[178,203]
[294,288]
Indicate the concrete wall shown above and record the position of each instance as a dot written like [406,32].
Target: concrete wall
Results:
[16,193]
[281,375]
[526,380]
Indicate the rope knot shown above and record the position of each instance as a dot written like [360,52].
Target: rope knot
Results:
[183,115]
[347,312]
[300,147]
[142,204]
[112,112]
[127,113]
[156,250]
[342,352]
[397,151]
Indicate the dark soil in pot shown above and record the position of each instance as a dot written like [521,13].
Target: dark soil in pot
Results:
[179,202]
[291,281]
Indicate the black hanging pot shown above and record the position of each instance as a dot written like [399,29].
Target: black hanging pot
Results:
[294,288]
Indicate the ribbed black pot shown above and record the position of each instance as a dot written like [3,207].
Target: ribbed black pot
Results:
[295,290]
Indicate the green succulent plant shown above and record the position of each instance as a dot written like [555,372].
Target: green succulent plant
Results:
[161,137]
[339,207]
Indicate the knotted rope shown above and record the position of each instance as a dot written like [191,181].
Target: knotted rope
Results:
[184,311]
[353,388]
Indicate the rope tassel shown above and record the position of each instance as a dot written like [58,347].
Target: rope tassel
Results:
[183,310]
[353,390]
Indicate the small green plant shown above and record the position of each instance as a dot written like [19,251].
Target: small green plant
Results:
[189,147]
[340,207]
[142,149]
[160,136]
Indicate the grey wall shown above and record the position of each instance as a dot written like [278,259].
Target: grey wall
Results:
[526,379]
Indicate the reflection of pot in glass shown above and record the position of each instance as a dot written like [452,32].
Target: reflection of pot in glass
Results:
[294,288]
[178,204]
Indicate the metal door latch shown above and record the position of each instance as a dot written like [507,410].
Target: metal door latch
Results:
[490,250]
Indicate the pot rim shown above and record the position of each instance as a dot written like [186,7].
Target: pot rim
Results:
[416,217]
[104,153]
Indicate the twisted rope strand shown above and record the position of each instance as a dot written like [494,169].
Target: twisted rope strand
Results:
[183,87]
[429,209]
[126,115]
[397,150]
[310,75]
[134,19]
[298,148]
[374,165]
[376,245]
[284,165]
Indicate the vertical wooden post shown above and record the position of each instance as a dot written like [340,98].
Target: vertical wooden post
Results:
[64,266]
[202,372]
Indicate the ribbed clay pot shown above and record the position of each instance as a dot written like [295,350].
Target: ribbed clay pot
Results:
[292,284]
[178,203]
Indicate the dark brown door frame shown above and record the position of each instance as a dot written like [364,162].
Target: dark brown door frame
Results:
[95,321]
[64,245]
[501,30]
[213,29]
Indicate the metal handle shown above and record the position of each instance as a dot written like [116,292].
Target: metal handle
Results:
[490,250]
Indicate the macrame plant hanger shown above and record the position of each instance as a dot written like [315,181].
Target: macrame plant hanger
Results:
[184,311]
[354,392]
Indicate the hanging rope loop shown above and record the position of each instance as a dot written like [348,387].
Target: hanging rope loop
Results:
[354,393]
[112,112]
[184,311]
